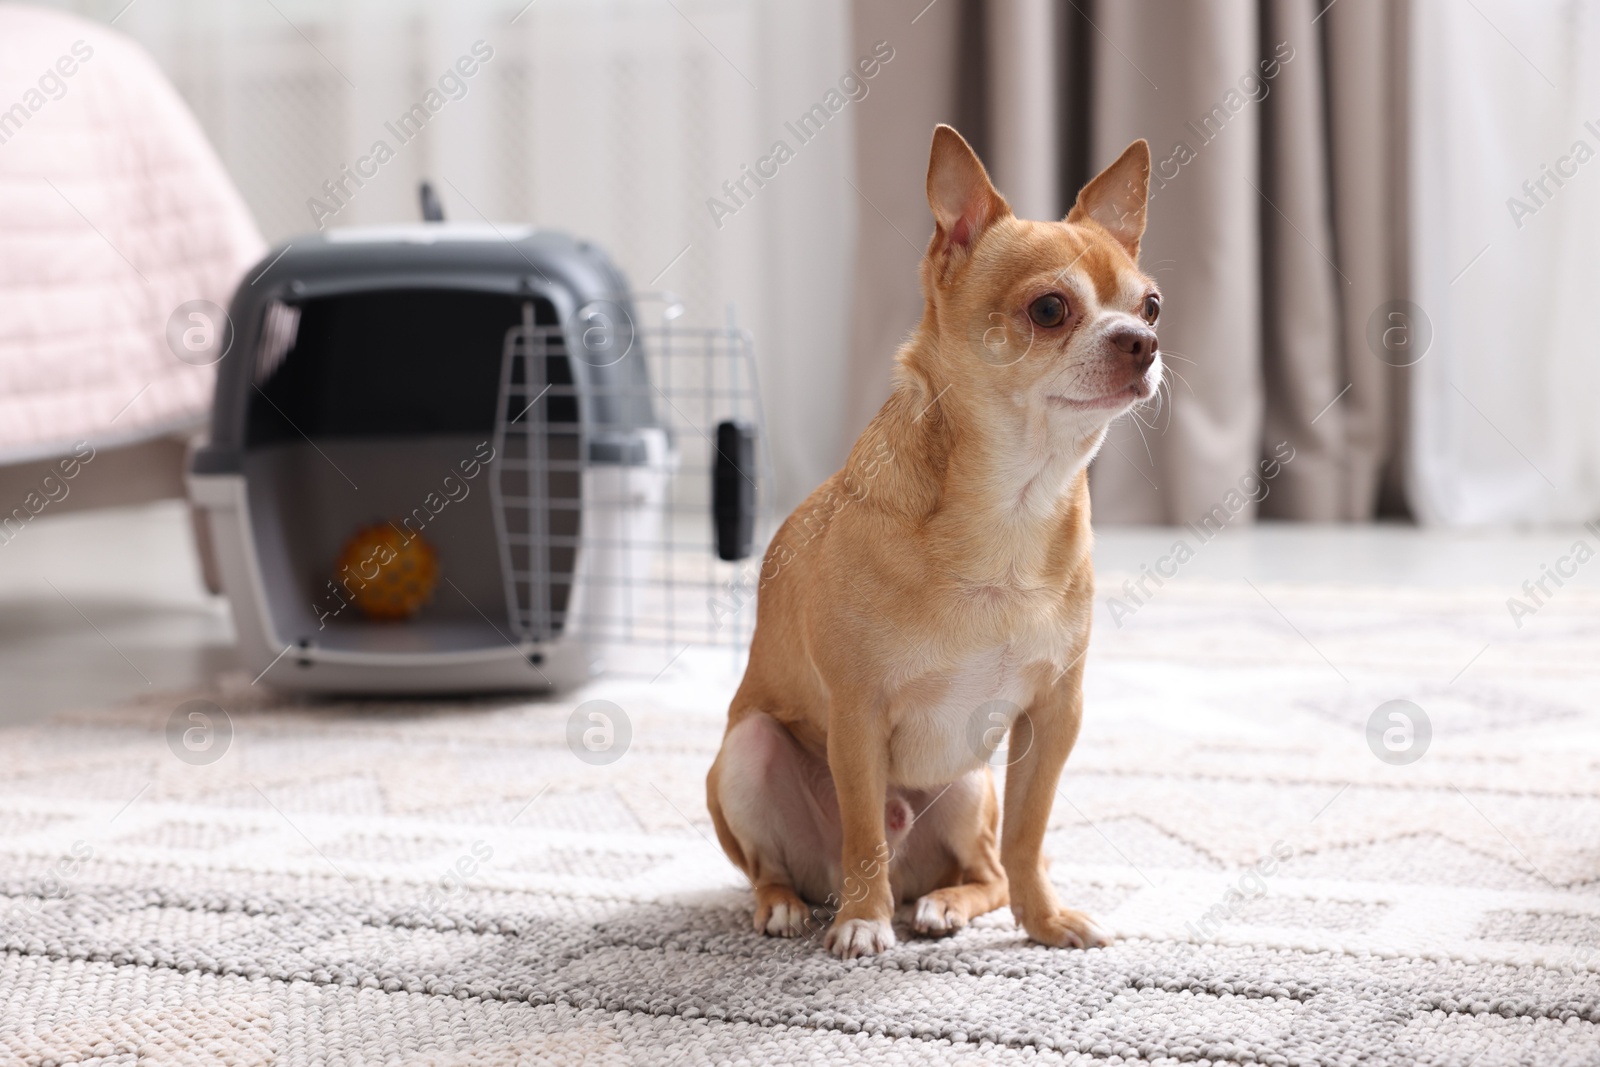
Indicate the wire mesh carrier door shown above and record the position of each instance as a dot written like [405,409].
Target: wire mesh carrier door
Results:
[625,485]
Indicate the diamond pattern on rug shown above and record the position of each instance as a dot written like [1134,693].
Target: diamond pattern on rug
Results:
[447,884]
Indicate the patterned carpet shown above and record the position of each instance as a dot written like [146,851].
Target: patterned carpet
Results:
[399,883]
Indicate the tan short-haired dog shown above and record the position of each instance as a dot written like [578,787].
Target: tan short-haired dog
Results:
[938,588]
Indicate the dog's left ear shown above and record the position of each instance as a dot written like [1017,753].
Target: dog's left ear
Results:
[963,200]
[1117,196]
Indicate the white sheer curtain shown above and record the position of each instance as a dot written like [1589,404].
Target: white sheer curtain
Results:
[612,120]
[1506,401]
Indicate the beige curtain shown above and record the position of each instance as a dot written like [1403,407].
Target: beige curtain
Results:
[1276,228]
[894,127]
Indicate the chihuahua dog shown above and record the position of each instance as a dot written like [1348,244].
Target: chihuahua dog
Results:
[936,592]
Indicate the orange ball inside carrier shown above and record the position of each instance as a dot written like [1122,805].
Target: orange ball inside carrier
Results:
[388,574]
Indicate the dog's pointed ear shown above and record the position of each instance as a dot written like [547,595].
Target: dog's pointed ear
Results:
[963,200]
[1117,197]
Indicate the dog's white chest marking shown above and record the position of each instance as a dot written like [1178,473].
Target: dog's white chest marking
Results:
[947,725]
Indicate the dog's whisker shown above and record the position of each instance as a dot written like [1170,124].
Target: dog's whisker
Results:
[1138,424]
[1158,401]
[1179,375]
[1155,405]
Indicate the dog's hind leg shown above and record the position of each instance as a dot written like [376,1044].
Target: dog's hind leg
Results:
[958,831]
[777,817]
[781,913]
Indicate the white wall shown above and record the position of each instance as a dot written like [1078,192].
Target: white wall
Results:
[611,119]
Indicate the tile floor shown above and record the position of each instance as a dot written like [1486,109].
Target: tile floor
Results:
[97,607]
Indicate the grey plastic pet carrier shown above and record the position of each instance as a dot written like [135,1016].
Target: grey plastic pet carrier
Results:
[448,457]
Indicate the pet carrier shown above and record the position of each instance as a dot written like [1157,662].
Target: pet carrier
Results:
[447,457]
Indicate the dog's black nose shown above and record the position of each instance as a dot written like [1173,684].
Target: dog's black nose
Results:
[1138,344]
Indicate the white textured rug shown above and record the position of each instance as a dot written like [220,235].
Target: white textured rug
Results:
[417,884]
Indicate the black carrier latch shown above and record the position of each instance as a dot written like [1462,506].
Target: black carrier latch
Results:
[733,489]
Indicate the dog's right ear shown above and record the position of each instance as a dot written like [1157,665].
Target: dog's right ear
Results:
[963,200]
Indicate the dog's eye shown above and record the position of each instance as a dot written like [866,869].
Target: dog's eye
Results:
[1048,311]
[1152,309]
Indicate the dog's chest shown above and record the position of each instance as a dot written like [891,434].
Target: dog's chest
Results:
[946,725]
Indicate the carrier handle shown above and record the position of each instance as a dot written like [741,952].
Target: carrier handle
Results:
[432,209]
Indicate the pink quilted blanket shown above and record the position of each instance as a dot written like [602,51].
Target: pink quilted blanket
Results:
[114,214]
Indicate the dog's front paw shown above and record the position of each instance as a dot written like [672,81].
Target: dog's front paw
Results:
[849,938]
[1065,928]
